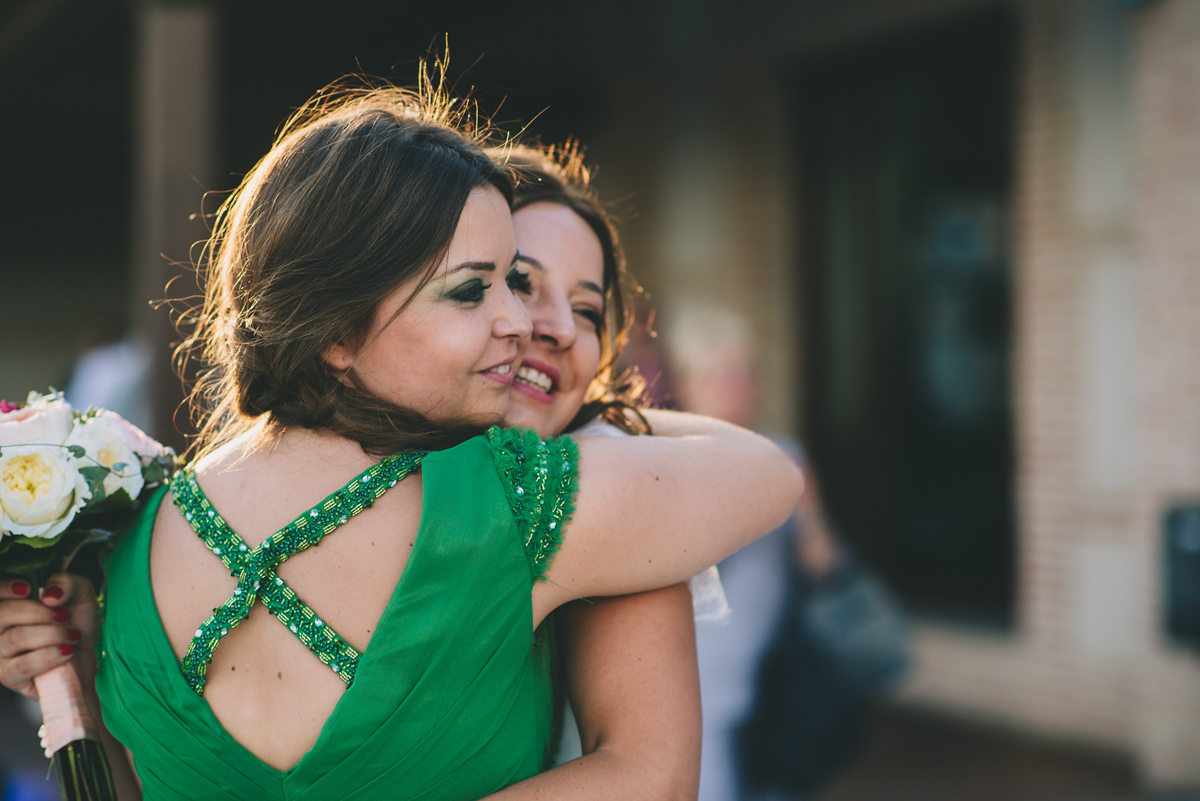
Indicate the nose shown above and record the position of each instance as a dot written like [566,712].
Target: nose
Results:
[554,323]
[513,319]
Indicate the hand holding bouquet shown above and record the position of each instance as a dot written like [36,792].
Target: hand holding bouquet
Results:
[66,478]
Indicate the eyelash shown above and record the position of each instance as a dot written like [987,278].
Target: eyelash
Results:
[472,292]
[518,281]
[591,315]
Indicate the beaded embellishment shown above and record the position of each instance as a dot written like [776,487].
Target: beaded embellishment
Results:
[255,567]
[541,484]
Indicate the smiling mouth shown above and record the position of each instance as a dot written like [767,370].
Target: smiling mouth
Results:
[501,373]
[535,378]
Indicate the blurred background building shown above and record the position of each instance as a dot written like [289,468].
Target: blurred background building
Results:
[968,230]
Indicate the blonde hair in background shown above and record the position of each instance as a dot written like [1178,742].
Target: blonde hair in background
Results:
[695,333]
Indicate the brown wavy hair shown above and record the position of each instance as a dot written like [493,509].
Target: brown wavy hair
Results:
[558,174]
[360,194]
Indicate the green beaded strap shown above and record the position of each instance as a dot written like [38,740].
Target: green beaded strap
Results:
[255,568]
[541,478]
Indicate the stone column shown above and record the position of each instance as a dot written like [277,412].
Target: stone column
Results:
[175,101]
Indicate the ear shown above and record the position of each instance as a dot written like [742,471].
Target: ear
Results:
[339,355]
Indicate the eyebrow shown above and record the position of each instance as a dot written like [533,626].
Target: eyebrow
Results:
[537,265]
[531,261]
[481,266]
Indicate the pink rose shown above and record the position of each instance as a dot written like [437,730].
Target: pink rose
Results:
[137,440]
[45,421]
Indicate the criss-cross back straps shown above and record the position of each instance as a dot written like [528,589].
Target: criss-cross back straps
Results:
[255,567]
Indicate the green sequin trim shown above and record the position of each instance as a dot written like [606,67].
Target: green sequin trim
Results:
[541,482]
[255,568]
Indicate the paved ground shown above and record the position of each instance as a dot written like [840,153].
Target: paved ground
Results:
[909,756]
[912,756]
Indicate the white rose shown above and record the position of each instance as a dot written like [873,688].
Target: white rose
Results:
[45,421]
[40,490]
[104,440]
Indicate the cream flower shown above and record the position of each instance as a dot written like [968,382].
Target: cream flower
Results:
[3,523]
[135,439]
[40,490]
[45,421]
[104,440]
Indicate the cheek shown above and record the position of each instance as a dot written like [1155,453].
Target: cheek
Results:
[585,359]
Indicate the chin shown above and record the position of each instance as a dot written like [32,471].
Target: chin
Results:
[520,416]
[529,422]
[484,419]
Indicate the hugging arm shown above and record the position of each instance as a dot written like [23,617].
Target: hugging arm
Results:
[630,668]
[653,511]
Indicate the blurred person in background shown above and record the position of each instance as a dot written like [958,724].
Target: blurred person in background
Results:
[782,712]
[113,372]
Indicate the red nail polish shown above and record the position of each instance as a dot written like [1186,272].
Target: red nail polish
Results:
[20,588]
[66,650]
[59,615]
[53,592]
[72,634]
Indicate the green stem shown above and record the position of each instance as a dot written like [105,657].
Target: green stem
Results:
[83,772]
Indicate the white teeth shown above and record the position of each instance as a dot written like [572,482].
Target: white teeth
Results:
[503,369]
[535,378]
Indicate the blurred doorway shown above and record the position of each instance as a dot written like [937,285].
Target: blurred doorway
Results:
[906,159]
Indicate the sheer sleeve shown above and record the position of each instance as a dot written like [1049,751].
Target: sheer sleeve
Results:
[540,479]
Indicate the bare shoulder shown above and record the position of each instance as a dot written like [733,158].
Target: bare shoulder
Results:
[260,487]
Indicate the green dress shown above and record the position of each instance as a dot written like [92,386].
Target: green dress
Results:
[451,700]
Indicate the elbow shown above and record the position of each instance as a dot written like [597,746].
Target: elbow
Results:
[664,771]
[791,488]
[682,783]
[799,485]
[676,774]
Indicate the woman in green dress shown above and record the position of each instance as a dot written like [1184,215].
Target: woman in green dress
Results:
[354,309]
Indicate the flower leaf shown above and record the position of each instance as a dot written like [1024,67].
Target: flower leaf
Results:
[159,469]
[95,475]
[36,543]
[35,559]
[110,503]
[77,451]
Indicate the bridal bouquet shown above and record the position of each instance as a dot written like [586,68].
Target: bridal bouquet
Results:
[67,478]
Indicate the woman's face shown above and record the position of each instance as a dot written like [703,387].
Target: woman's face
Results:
[565,299]
[450,353]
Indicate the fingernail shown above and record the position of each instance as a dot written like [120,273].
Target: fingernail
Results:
[72,634]
[53,593]
[59,615]
[20,588]
[66,650]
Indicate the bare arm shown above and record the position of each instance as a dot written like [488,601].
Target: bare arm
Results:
[630,667]
[653,511]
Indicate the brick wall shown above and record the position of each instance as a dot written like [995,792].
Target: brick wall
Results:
[1107,337]
[1107,394]
[1168,374]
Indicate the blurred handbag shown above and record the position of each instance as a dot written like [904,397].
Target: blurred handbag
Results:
[857,624]
[841,642]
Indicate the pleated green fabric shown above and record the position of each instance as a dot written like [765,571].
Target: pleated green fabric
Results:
[453,696]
